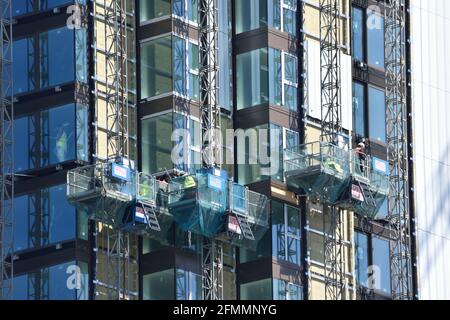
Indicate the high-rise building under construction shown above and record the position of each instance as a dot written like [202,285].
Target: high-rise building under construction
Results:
[224,149]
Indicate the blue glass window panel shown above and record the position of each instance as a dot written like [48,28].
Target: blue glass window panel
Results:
[24,143]
[189,285]
[294,250]
[57,54]
[290,97]
[81,55]
[375,41]
[58,216]
[20,7]
[358,33]
[295,292]
[192,13]
[278,231]
[380,257]
[275,76]
[377,114]
[361,257]
[82,133]
[290,69]
[274,13]
[179,65]
[24,70]
[293,221]
[24,220]
[279,290]
[58,135]
[224,55]
[24,287]
[48,4]
[57,283]
[359,109]
[289,18]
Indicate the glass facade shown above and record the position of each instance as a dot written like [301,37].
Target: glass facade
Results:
[359,109]
[159,285]
[358,28]
[189,285]
[277,14]
[257,290]
[169,64]
[25,214]
[283,290]
[252,78]
[381,260]
[58,63]
[58,217]
[25,143]
[286,233]
[165,138]
[64,134]
[361,257]
[265,75]
[21,7]
[377,114]
[253,154]
[154,9]
[375,40]
[45,217]
[24,68]
[156,143]
[368,36]
[66,281]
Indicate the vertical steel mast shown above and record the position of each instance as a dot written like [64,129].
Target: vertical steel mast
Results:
[112,88]
[331,114]
[7,153]
[212,249]
[397,140]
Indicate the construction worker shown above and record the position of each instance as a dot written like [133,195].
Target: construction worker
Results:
[361,156]
[61,145]
[189,188]
[189,182]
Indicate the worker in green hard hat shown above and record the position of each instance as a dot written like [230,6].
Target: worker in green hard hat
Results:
[189,182]
[189,188]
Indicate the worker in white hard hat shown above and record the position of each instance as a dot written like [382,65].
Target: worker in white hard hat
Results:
[361,155]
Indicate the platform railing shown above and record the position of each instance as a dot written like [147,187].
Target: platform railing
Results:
[325,156]
[146,188]
[83,181]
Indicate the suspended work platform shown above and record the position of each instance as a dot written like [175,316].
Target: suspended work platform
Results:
[369,185]
[117,195]
[317,169]
[206,203]
[338,177]
[209,204]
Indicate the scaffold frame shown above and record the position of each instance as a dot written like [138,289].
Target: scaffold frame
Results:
[397,149]
[331,116]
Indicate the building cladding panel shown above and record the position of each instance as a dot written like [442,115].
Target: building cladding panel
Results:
[431,116]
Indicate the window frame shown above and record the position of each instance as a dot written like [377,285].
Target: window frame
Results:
[364,31]
[370,259]
[287,235]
